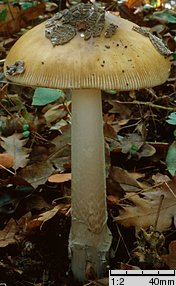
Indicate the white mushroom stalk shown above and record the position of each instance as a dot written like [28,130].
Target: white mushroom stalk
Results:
[90,238]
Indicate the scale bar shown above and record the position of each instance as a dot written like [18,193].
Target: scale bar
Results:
[142,272]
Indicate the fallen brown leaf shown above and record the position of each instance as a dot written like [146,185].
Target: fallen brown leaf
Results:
[155,206]
[10,234]
[127,180]
[18,18]
[134,3]
[170,259]
[39,221]
[37,173]
[14,145]
[59,178]
[6,160]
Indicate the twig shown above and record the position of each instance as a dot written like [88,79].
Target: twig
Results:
[158,211]
[170,190]
[5,109]
[7,169]
[120,237]
[10,10]
[147,103]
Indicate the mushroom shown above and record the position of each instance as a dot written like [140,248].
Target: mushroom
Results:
[88,50]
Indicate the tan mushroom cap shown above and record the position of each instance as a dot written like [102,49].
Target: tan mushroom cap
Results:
[126,61]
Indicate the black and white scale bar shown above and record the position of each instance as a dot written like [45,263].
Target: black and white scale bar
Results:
[142,272]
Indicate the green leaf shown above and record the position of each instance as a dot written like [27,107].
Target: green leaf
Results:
[111,91]
[133,149]
[3,15]
[19,105]
[172,118]
[26,5]
[43,96]
[171,159]
[165,16]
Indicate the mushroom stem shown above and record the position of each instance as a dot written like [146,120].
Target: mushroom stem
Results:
[90,238]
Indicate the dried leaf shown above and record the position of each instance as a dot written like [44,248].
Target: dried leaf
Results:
[14,146]
[36,202]
[159,178]
[132,143]
[18,18]
[31,13]
[57,112]
[147,150]
[114,200]
[99,282]
[102,282]
[170,259]
[109,131]
[144,208]
[134,3]
[128,181]
[64,139]
[47,216]
[7,235]
[37,173]
[126,266]
[51,6]
[10,234]
[59,178]
[6,160]
[121,109]
[11,23]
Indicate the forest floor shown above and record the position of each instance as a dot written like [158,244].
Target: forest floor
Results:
[35,174]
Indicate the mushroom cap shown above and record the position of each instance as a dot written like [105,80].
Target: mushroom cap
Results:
[125,61]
